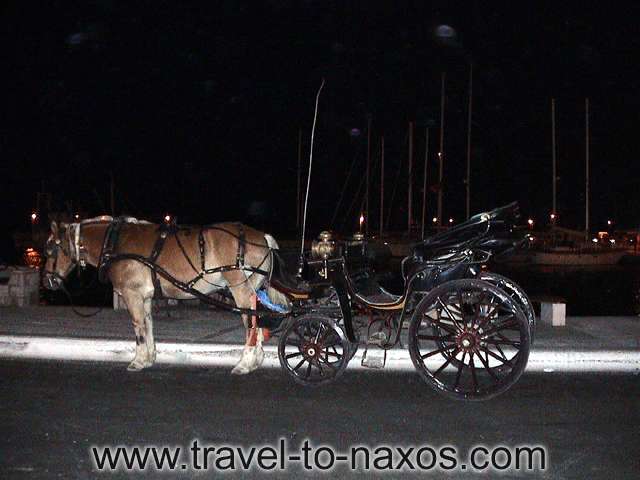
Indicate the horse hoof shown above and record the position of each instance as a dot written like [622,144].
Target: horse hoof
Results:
[134,367]
[240,370]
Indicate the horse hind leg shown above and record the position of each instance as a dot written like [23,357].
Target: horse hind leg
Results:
[136,306]
[148,324]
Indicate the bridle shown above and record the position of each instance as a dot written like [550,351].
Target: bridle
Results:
[73,250]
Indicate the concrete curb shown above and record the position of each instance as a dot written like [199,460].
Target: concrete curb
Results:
[227,355]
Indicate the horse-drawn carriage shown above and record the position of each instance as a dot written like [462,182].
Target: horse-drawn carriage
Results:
[469,330]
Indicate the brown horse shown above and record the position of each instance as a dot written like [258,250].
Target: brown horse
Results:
[186,254]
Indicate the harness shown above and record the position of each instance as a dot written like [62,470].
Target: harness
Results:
[109,255]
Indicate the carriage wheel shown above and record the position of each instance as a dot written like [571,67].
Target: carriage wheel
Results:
[516,292]
[314,350]
[469,340]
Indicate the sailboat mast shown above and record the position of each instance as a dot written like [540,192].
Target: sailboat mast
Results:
[441,152]
[424,180]
[469,142]
[586,160]
[298,202]
[366,226]
[410,189]
[381,185]
[553,157]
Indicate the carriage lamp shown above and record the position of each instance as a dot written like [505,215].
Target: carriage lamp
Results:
[324,247]
[553,217]
[530,222]
[434,219]
[34,217]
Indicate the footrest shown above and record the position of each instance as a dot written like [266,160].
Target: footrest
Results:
[373,361]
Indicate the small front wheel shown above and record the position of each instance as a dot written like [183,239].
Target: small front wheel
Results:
[314,350]
[469,340]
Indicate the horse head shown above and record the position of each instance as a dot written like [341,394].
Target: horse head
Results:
[59,257]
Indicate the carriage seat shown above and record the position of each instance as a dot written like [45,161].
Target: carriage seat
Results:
[283,281]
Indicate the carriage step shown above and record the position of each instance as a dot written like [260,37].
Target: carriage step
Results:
[378,339]
[373,361]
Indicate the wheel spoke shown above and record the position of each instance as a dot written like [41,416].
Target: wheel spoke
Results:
[487,368]
[451,317]
[295,369]
[504,361]
[510,322]
[506,341]
[472,364]
[444,365]
[460,367]
[294,354]
[446,327]
[332,367]
[435,337]
[439,350]
[308,373]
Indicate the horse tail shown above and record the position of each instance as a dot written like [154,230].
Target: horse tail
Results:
[275,296]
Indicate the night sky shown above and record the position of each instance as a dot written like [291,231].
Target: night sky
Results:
[195,107]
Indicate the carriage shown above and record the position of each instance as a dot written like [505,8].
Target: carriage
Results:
[469,330]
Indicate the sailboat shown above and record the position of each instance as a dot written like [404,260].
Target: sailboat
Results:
[563,246]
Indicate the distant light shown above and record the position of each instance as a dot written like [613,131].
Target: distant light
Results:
[594,240]
[361,219]
[34,217]
[612,240]
[531,238]
[552,216]
[77,217]
[451,220]
[167,218]
[29,250]
[434,219]
[609,222]
[354,132]
[445,31]
[530,222]
[440,154]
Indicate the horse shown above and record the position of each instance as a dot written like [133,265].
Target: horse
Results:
[195,261]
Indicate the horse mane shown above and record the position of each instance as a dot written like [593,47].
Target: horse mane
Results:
[109,218]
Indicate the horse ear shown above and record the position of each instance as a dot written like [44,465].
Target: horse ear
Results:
[54,228]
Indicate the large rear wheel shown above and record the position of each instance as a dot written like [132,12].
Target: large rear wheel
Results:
[517,293]
[469,340]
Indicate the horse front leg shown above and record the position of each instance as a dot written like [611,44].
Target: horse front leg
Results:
[253,353]
[137,309]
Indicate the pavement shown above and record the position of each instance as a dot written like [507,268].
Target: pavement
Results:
[200,336]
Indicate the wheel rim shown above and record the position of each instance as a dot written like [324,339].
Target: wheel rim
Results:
[470,340]
[314,350]
[516,293]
